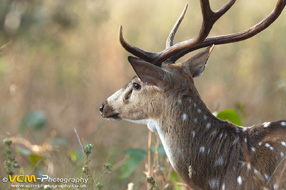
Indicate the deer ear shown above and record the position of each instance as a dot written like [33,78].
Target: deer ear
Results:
[196,64]
[147,72]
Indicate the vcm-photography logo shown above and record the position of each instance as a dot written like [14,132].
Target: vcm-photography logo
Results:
[43,179]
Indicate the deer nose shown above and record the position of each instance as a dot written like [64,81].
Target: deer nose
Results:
[101,109]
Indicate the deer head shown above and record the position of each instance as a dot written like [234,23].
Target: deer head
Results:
[157,85]
[163,96]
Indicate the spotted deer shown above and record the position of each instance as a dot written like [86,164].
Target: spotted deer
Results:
[206,152]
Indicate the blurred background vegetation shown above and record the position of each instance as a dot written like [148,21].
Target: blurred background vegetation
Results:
[60,59]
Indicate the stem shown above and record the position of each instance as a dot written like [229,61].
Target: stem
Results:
[149,155]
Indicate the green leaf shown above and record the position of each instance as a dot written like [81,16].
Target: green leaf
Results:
[174,177]
[34,120]
[135,156]
[230,115]
[34,159]
[160,149]
[73,156]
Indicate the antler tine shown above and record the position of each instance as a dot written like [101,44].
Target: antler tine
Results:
[147,56]
[171,36]
[209,18]
[236,37]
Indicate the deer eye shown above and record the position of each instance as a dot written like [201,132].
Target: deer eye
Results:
[136,86]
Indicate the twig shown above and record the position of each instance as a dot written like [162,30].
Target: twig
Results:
[78,138]
[5,45]
[149,156]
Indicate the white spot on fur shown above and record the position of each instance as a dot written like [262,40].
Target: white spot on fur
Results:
[239,180]
[253,149]
[248,166]
[179,101]
[235,141]
[213,133]
[260,143]
[266,176]
[275,186]
[267,145]
[225,136]
[245,140]
[220,136]
[283,124]
[202,149]
[195,120]
[199,111]
[205,117]
[255,171]
[243,164]
[193,133]
[283,143]
[208,125]
[271,148]
[266,124]
[282,154]
[219,161]
[185,117]
[195,105]
[214,183]
[223,187]
[234,168]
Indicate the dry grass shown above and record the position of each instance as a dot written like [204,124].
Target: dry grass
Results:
[64,59]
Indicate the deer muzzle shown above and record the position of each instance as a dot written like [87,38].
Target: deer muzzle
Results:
[107,111]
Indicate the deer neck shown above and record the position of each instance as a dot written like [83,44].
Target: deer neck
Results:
[184,129]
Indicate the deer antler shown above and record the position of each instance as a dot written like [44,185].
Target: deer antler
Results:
[171,36]
[174,52]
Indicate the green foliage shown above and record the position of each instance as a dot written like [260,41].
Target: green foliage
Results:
[174,177]
[34,159]
[76,155]
[87,149]
[47,187]
[35,120]
[135,156]
[10,164]
[73,156]
[7,142]
[160,149]
[87,152]
[152,182]
[230,115]
[107,166]
[99,186]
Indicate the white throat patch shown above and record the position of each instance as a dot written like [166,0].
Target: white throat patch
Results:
[151,123]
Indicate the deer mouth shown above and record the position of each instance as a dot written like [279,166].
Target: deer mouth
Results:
[108,112]
[114,116]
